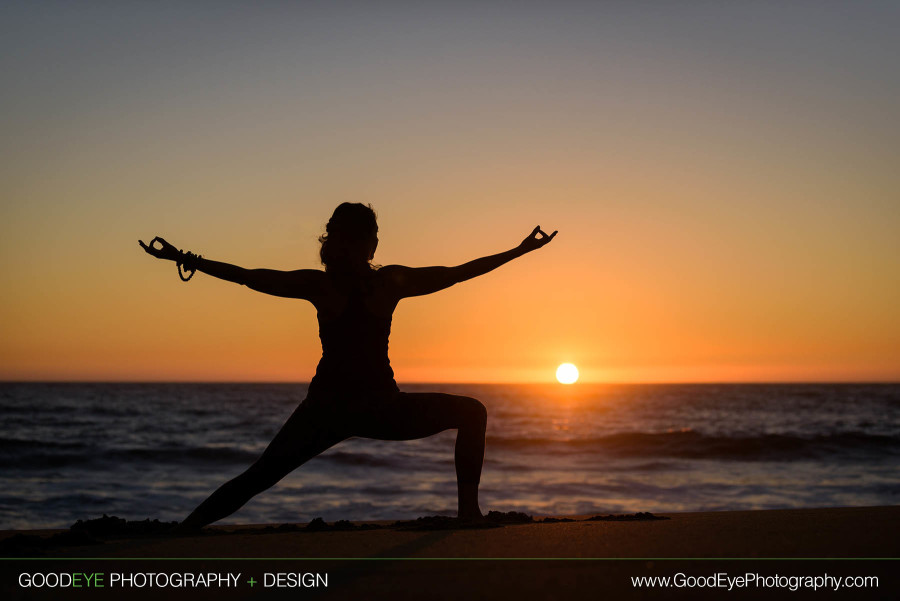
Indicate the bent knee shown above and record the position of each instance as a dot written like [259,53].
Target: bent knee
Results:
[476,412]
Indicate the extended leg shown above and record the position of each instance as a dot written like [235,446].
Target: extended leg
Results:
[299,440]
[418,415]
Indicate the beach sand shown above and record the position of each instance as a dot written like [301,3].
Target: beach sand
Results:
[694,543]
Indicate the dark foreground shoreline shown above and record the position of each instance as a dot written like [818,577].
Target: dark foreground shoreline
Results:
[560,558]
[843,532]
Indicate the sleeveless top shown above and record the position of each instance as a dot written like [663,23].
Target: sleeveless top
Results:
[354,352]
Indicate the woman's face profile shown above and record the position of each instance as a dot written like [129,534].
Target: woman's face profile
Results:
[373,244]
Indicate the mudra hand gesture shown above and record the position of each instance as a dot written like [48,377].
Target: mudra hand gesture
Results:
[536,239]
[186,261]
[167,251]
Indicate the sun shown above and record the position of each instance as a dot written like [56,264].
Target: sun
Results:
[567,373]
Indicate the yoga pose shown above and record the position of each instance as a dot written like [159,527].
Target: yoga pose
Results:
[353,392]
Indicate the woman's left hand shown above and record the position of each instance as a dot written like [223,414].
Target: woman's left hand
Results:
[536,239]
[167,251]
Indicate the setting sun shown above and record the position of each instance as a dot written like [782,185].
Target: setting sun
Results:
[567,373]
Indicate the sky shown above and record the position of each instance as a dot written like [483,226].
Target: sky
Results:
[723,177]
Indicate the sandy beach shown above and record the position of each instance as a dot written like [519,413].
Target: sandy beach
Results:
[564,560]
[806,533]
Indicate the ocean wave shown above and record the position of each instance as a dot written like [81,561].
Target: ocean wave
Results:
[689,444]
[361,459]
[24,454]
[13,445]
[186,455]
[694,445]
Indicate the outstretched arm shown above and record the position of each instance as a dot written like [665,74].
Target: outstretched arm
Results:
[418,281]
[302,283]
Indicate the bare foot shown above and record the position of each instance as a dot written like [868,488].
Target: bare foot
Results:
[471,517]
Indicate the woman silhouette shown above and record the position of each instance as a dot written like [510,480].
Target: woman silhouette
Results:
[353,392]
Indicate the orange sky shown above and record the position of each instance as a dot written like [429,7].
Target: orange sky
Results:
[726,196]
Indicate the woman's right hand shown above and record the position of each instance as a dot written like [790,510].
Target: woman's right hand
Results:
[536,239]
[167,251]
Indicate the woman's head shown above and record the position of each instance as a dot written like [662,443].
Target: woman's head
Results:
[350,237]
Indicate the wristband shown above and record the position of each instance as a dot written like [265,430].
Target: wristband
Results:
[189,261]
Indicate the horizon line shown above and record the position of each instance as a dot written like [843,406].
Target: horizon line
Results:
[476,383]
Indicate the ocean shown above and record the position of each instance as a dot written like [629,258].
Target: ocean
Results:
[74,451]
